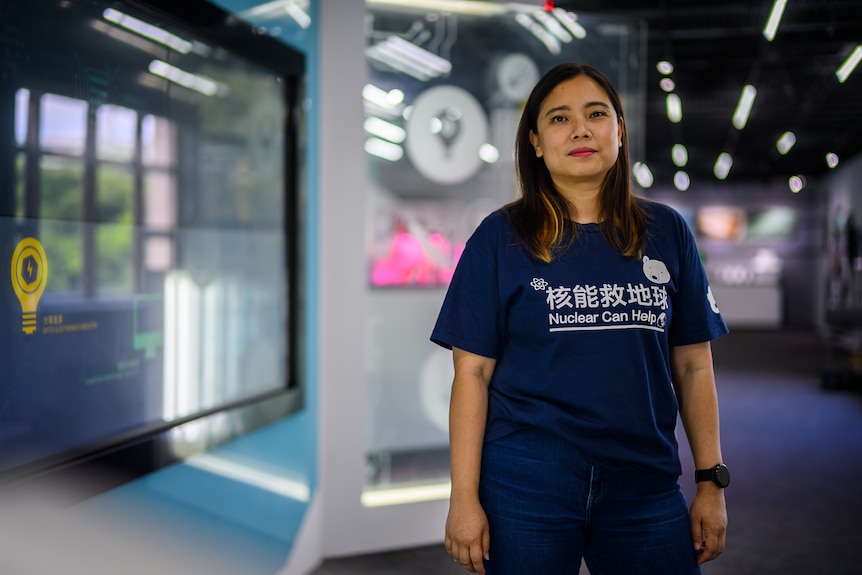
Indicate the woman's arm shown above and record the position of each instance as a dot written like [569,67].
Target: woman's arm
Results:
[467,539]
[694,382]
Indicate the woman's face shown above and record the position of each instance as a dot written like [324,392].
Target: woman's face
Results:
[579,135]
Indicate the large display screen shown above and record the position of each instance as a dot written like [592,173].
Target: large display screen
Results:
[147,234]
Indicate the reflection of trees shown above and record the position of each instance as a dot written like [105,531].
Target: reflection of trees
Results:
[61,229]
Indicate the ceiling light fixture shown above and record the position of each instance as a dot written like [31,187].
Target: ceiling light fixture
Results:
[674,108]
[643,175]
[849,64]
[774,19]
[679,155]
[832,159]
[681,181]
[743,108]
[796,183]
[386,130]
[667,84]
[147,30]
[570,21]
[384,149]
[195,82]
[539,31]
[722,165]
[664,67]
[785,142]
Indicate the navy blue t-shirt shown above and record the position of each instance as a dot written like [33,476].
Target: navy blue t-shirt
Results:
[582,343]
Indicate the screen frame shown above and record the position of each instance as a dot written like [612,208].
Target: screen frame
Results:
[124,457]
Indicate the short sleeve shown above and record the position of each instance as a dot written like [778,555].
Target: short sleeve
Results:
[696,316]
[469,318]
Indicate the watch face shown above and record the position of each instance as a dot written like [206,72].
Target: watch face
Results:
[722,475]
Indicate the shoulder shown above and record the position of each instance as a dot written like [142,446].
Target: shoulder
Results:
[662,217]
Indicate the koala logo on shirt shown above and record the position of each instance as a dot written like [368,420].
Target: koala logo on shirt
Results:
[656,271]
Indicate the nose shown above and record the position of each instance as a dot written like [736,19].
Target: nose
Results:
[579,129]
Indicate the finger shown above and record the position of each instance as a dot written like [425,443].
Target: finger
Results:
[476,564]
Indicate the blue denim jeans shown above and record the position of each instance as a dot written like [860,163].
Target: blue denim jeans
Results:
[547,508]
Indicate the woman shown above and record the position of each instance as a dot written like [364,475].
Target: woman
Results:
[580,320]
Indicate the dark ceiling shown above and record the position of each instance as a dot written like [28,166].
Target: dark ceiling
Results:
[717,48]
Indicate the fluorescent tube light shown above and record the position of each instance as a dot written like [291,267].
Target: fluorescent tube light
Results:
[674,108]
[679,155]
[185,79]
[469,7]
[489,153]
[386,130]
[774,19]
[539,31]
[785,142]
[743,108]
[147,30]
[553,26]
[299,15]
[723,165]
[849,64]
[401,495]
[570,21]
[384,149]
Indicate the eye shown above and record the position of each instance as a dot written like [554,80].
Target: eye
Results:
[598,113]
[557,119]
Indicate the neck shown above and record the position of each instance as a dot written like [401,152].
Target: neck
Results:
[583,199]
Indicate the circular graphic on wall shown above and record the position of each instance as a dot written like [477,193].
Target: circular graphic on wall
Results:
[435,387]
[446,128]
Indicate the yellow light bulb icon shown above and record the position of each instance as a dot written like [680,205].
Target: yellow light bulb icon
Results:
[29,276]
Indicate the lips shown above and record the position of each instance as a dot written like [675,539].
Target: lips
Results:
[582,152]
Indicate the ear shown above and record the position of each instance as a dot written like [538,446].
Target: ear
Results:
[622,131]
[534,139]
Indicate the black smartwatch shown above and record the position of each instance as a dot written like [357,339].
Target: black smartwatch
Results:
[720,475]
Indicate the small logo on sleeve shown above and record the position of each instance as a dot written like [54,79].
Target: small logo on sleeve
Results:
[712,303]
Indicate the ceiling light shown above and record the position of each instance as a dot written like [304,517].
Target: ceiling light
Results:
[643,175]
[796,184]
[679,155]
[674,108]
[299,15]
[570,21]
[722,165]
[774,19]
[147,30]
[681,181]
[743,108]
[785,142]
[553,26]
[832,159]
[849,64]
[472,7]
[539,31]
[385,130]
[384,149]
[185,79]
[489,153]
[667,84]
[664,67]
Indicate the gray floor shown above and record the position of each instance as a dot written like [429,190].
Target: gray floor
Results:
[796,453]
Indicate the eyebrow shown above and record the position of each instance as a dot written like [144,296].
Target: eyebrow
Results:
[567,108]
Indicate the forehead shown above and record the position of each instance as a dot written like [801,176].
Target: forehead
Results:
[576,92]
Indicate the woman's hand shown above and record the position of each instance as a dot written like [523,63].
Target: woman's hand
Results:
[467,536]
[708,522]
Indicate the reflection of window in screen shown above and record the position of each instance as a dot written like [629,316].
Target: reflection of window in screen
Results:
[100,258]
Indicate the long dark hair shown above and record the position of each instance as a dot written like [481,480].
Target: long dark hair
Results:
[540,215]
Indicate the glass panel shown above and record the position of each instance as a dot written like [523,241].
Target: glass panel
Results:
[115,133]
[158,142]
[59,227]
[20,180]
[114,232]
[64,124]
[22,101]
[160,200]
[441,114]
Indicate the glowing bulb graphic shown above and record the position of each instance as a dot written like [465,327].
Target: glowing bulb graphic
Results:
[29,276]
